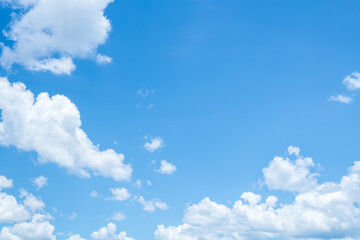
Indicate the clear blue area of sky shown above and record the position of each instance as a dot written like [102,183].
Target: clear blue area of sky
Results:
[235,83]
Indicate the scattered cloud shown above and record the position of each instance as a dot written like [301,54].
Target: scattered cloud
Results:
[341,99]
[155,144]
[103,59]
[109,233]
[148,182]
[73,216]
[51,126]
[5,183]
[328,210]
[292,150]
[144,93]
[166,168]
[120,194]
[118,216]
[48,34]
[93,194]
[40,182]
[152,205]
[352,81]
[31,202]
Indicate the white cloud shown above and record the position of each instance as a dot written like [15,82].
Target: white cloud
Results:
[52,128]
[109,233]
[30,201]
[11,210]
[93,194]
[283,174]
[148,182]
[326,211]
[166,168]
[120,194]
[48,34]
[118,216]
[5,183]
[40,182]
[150,206]
[341,98]
[352,82]
[76,237]
[38,229]
[144,93]
[103,59]
[138,183]
[154,144]
[292,150]
[73,216]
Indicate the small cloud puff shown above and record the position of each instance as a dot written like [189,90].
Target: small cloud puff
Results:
[155,144]
[40,182]
[166,168]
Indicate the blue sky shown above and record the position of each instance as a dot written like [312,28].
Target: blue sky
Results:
[226,86]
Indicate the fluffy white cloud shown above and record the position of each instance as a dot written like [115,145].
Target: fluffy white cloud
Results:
[292,150]
[283,174]
[150,206]
[40,182]
[327,211]
[341,98]
[31,202]
[166,168]
[5,183]
[11,210]
[109,233]
[48,34]
[120,194]
[38,229]
[154,144]
[352,82]
[51,126]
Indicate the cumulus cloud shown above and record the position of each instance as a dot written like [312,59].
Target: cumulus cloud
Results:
[48,34]
[109,233]
[38,228]
[11,210]
[284,174]
[154,144]
[31,202]
[120,194]
[76,237]
[51,126]
[341,99]
[166,168]
[152,205]
[5,183]
[40,182]
[352,81]
[326,211]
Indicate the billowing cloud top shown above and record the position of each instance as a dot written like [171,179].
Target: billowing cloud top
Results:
[51,33]
[51,126]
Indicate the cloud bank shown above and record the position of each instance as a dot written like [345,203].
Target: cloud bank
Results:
[324,211]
